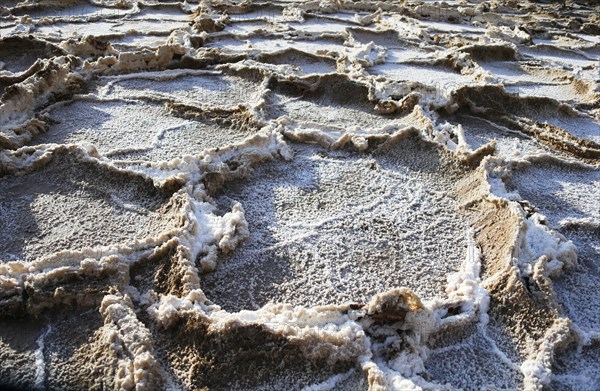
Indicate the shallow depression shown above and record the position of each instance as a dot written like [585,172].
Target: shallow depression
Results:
[332,227]
[137,130]
[69,204]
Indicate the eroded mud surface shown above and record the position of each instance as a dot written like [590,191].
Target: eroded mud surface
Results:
[292,195]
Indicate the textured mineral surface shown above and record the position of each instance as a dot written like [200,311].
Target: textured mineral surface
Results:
[299,195]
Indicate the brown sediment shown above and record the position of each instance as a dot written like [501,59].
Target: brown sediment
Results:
[495,223]
[527,318]
[245,355]
[239,118]
[491,52]
[171,275]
